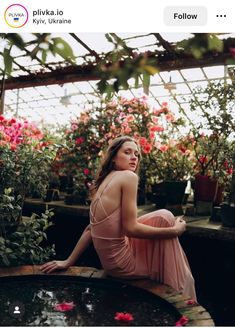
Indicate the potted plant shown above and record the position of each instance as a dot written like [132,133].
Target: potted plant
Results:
[213,167]
[91,132]
[228,210]
[172,162]
[213,131]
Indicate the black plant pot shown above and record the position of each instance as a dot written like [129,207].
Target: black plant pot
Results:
[77,199]
[52,195]
[228,215]
[169,193]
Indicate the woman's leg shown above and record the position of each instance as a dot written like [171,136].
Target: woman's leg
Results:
[164,259]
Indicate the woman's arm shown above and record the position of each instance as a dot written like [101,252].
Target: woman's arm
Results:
[84,241]
[133,228]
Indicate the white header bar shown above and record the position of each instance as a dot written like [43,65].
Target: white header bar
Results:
[18,16]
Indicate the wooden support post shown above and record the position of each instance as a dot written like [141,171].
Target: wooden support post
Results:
[2,102]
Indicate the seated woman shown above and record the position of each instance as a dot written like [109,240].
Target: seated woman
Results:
[147,247]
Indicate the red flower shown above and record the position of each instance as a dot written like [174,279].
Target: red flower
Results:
[13,147]
[142,141]
[203,159]
[79,140]
[182,321]
[124,317]
[232,51]
[86,171]
[191,302]
[147,148]
[230,170]
[157,128]
[63,307]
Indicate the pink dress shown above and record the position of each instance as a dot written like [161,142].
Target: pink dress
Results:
[158,259]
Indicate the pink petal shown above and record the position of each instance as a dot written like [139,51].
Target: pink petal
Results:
[191,302]
[63,307]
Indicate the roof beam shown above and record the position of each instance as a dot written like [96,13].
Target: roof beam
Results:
[89,72]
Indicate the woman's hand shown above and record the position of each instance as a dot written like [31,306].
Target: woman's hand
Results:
[180,226]
[54,265]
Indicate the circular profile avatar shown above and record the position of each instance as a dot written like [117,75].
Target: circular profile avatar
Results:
[16,15]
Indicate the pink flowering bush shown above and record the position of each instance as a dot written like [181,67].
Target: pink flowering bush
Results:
[25,156]
[89,135]
[173,158]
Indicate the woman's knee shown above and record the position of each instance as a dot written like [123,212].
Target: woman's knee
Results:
[167,217]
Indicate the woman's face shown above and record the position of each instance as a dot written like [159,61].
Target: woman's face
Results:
[127,157]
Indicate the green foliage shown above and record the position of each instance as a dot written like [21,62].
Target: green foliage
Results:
[23,246]
[10,206]
[42,45]
[215,131]
[201,44]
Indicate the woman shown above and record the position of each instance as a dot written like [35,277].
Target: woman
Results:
[147,247]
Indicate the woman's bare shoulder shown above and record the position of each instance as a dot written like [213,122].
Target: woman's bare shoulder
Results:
[127,175]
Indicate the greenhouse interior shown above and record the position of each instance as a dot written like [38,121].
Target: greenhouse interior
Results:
[64,100]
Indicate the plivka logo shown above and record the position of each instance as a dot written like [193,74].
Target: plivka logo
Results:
[16,15]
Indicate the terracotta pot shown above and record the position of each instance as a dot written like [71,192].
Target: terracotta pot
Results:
[205,188]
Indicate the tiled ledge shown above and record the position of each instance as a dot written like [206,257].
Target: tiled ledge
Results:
[196,314]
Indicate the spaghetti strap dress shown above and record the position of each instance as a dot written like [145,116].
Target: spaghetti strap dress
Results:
[162,260]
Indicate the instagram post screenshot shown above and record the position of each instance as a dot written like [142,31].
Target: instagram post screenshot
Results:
[117,163]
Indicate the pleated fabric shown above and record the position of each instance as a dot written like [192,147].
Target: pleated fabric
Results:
[162,260]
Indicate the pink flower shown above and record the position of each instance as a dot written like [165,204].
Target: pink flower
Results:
[157,112]
[203,159]
[155,119]
[191,302]
[169,117]
[230,170]
[164,148]
[74,127]
[157,128]
[63,307]
[79,140]
[86,171]
[152,135]
[182,321]
[124,317]
[142,141]
[130,118]
[147,148]
[13,147]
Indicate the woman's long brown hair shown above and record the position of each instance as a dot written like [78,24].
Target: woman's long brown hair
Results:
[107,164]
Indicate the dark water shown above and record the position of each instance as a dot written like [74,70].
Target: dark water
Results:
[96,302]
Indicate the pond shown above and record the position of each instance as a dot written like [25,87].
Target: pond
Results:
[77,301]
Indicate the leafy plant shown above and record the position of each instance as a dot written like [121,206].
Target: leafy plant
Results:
[214,130]
[172,159]
[23,246]
[25,157]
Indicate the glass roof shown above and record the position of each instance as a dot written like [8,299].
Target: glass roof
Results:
[57,104]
